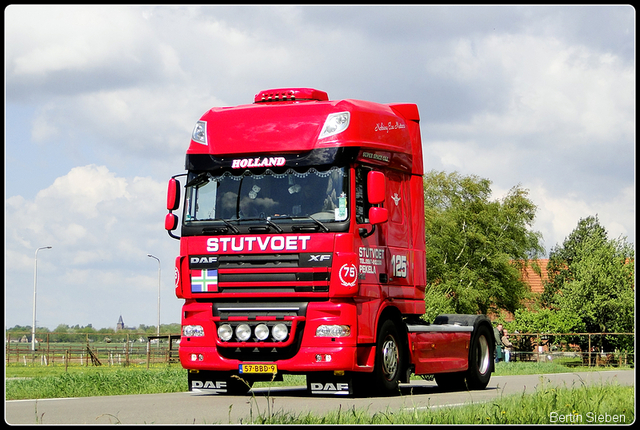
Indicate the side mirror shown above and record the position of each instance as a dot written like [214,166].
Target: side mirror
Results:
[170,222]
[173,195]
[378,215]
[376,188]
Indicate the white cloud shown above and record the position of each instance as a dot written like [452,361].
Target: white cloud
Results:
[89,205]
[559,214]
[83,189]
[551,86]
[46,39]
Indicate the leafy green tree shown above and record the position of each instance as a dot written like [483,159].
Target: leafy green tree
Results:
[593,277]
[544,320]
[560,270]
[476,247]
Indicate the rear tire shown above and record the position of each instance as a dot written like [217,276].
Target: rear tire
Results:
[477,376]
[480,359]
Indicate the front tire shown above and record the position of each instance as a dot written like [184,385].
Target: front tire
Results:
[389,360]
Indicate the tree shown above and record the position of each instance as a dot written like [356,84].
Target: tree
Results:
[593,277]
[476,247]
[544,320]
[559,268]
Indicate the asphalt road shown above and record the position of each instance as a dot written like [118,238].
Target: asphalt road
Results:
[195,408]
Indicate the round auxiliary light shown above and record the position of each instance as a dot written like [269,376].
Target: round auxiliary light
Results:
[262,332]
[243,332]
[225,332]
[280,332]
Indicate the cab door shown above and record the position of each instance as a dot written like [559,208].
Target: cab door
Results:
[398,237]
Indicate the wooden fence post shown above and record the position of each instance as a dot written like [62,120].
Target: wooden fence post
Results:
[126,352]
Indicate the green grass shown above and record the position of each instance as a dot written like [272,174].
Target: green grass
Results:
[536,368]
[547,405]
[95,381]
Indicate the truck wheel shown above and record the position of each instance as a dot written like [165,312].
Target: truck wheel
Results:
[389,360]
[480,359]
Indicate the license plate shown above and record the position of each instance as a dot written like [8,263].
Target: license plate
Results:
[258,368]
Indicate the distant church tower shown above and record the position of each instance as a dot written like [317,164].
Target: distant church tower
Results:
[120,325]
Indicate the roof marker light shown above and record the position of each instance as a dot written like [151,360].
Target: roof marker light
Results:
[335,123]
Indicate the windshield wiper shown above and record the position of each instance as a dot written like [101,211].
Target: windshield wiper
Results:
[217,230]
[228,224]
[320,224]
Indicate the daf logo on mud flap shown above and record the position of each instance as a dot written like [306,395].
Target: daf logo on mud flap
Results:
[219,386]
[329,387]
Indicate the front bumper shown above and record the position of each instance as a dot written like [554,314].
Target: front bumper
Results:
[307,359]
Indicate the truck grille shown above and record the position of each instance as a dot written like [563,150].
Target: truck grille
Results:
[273,273]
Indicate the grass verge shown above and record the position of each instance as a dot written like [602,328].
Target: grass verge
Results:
[595,404]
[87,382]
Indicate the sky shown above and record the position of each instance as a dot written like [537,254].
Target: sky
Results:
[100,102]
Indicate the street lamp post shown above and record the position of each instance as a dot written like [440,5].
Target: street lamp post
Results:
[153,256]
[35,284]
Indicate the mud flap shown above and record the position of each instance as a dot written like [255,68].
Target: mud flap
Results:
[216,383]
[326,383]
[206,382]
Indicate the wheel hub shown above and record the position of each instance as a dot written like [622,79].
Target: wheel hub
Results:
[390,358]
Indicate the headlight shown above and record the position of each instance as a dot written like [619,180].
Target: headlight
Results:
[335,123]
[200,132]
[333,331]
[262,331]
[225,332]
[192,331]
[243,332]
[280,332]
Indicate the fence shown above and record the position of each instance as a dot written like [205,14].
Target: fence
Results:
[123,349]
[587,349]
[86,349]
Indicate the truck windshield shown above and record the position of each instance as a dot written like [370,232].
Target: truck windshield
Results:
[318,195]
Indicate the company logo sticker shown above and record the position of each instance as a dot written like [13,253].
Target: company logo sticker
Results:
[396,198]
[243,163]
[348,275]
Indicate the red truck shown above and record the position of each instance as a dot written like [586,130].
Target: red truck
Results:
[302,251]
